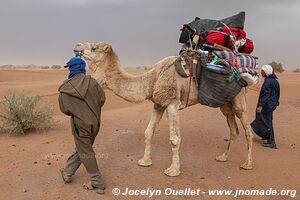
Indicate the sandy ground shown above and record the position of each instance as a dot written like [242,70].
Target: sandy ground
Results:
[30,164]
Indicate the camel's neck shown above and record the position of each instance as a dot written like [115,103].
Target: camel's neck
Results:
[129,87]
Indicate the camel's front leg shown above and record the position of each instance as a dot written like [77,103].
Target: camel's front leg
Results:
[173,117]
[234,131]
[155,118]
[248,164]
[240,110]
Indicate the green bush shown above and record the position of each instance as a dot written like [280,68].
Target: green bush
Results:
[22,114]
[277,67]
[297,70]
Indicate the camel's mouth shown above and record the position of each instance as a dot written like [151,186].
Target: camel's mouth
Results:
[77,51]
[79,48]
[81,53]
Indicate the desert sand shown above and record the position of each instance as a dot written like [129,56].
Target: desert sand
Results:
[30,164]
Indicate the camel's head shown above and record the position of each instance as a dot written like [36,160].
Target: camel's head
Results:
[99,57]
[94,53]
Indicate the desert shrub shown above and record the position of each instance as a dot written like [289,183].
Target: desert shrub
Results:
[22,114]
[142,67]
[297,70]
[45,67]
[277,67]
[56,67]
[6,66]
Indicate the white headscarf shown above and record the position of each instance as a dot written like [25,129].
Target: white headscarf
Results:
[267,69]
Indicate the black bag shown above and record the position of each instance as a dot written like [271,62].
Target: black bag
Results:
[214,90]
[260,126]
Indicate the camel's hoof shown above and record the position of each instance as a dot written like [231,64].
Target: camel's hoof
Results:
[172,172]
[247,166]
[221,158]
[145,162]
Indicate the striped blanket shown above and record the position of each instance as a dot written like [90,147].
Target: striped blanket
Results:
[244,63]
[239,60]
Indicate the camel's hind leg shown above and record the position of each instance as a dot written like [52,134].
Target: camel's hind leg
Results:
[155,118]
[234,131]
[240,110]
[175,139]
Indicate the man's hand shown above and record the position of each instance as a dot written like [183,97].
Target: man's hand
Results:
[259,109]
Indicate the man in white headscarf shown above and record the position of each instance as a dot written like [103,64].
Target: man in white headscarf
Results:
[267,103]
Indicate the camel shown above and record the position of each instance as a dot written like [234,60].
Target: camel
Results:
[168,92]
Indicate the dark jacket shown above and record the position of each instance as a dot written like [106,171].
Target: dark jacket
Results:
[81,97]
[269,93]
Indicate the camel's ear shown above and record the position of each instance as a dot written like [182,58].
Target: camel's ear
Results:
[107,48]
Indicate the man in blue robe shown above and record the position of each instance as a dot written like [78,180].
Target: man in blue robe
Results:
[267,103]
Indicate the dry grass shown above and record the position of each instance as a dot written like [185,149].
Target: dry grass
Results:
[22,114]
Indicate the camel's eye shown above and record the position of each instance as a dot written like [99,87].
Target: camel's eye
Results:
[93,49]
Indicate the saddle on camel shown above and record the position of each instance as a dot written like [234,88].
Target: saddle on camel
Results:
[216,53]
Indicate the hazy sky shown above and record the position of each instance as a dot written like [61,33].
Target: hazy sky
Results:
[141,31]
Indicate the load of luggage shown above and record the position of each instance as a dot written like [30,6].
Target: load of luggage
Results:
[226,63]
[227,32]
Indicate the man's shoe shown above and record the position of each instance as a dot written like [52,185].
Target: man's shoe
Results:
[270,145]
[67,179]
[99,190]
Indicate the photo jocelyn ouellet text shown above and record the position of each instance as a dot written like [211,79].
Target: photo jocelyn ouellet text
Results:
[237,192]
